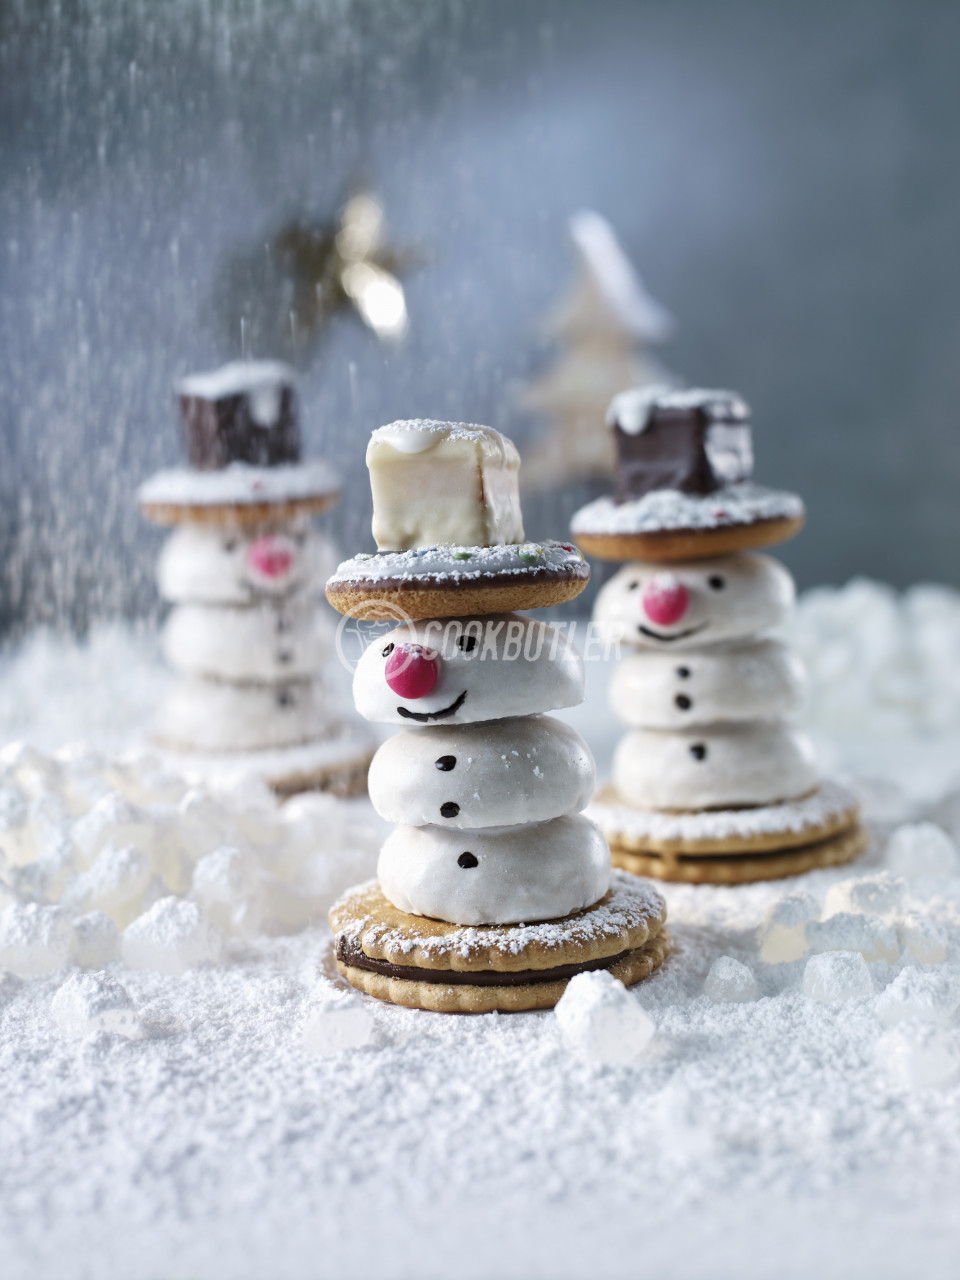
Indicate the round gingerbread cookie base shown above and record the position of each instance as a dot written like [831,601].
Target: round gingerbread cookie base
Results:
[338,766]
[452,582]
[826,811]
[744,868]
[238,515]
[668,545]
[445,968]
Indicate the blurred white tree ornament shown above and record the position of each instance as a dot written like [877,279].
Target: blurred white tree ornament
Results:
[604,325]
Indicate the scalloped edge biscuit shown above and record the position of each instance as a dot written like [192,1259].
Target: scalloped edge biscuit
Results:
[435,997]
[748,867]
[604,806]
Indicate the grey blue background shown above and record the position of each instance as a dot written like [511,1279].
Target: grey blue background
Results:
[784,175]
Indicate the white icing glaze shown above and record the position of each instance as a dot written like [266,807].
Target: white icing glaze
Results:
[262,381]
[497,772]
[239,485]
[452,565]
[203,564]
[752,680]
[436,483]
[667,509]
[268,642]
[811,813]
[518,666]
[757,594]
[207,715]
[713,766]
[538,871]
[630,410]
[417,435]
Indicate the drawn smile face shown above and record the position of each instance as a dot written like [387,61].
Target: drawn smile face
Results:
[464,670]
[696,602]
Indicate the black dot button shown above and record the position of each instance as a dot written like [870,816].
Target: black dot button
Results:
[284,698]
[683,702]
[467,860]
[683,673]
[699,751]
[446,763]
[449,809]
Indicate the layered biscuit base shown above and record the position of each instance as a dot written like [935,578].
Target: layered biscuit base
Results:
[441,483]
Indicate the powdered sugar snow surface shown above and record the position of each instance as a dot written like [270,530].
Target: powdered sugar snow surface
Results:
[239,1134]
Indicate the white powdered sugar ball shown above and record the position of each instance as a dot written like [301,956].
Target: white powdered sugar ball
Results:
[16,843]
[878,895]
[115,821]
[96,940]
[782,935]
[204,823]
[851,931]
[916,995]
[924,939]
[89,1003]
[922,849]
[172,937]
[730,982]
[226,883]
[837,976]
[601,1022]
[116,881]
[35,771]
[34,940]
[338,1023]
[921,1057]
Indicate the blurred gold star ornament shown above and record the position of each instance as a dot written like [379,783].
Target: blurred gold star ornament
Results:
[282,296]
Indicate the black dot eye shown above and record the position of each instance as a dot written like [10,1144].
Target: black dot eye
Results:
[230,544]
[683,673]
[699,751]
[446,763]
[467,643]
[632,586]
[449,809]
[299,539]
[387,649]
[467,860]
[683,702]
[715,582]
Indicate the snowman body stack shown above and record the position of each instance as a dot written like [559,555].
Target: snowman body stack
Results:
[493,889]
[711,782]
[242,570]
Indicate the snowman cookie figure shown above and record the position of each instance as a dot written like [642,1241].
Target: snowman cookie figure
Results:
[711,783]
[493,890]
[242,569]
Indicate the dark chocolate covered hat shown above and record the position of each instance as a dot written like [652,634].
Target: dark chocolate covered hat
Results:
[692,441]
[243,412]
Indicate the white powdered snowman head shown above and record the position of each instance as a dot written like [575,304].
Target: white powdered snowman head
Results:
[461,670]
[204,564]
[695,602]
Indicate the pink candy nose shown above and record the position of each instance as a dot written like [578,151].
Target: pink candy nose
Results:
[270,557]
[664,599]
[412,670]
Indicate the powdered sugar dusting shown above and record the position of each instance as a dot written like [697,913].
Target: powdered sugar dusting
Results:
[664,509]
[454,564]
[810,812]
[238,484]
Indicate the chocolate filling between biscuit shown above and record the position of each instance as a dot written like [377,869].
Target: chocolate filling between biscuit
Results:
[349,952]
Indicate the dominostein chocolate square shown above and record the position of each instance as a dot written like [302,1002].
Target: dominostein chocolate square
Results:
[692,441]
[244,412]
